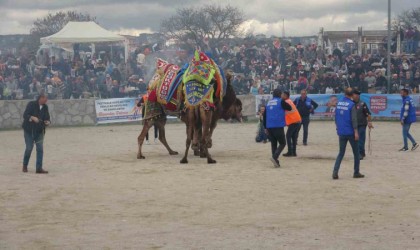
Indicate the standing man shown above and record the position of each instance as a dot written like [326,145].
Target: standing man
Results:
[407,117]
[346,122]
[293,121]
[306,107]
[274,121]
[363,120]
[35,119]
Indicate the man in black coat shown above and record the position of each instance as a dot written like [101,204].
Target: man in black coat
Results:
[35,119]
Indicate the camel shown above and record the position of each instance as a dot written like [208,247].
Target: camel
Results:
[228,108]
[201,116]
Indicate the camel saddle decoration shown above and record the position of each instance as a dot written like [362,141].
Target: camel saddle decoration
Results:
[201,79]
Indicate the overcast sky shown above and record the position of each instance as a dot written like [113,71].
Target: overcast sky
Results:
[302,17]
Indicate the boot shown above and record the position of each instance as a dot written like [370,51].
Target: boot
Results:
[288,154]
[358,175]
[42,171]
[25,169]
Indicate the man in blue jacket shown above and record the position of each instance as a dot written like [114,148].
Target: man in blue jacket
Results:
[407,117]
[274,121]
[346,122]
[306,107]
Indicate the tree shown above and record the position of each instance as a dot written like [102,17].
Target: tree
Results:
[410,18]
[214,22]
[51,24]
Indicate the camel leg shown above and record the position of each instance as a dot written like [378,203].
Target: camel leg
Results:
[196,141]
[206,117]
[162,138]
[190,133]
[147,125]
[212,127]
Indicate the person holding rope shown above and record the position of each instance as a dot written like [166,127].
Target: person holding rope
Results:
[35,120]
[364,120]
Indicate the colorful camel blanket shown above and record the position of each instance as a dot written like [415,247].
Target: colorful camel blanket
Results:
[197,93]
[201,69]
[167,83]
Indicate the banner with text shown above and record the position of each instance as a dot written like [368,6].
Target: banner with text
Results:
[388,106]
[117,110]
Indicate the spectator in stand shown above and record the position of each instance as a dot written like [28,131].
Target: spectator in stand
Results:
[409,37]
[416,39]
[254,90]
[35,88]
[363,85]
[415,84]
[370,79]
[381,83]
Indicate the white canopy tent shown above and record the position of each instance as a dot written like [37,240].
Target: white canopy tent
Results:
[84,32]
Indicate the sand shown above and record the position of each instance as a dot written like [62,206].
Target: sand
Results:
[99,196]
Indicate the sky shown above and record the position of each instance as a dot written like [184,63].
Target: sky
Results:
[131,17]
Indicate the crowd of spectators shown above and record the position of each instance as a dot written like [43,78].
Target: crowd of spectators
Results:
[259,68]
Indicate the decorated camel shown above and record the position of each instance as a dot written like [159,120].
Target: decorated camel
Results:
[199,102]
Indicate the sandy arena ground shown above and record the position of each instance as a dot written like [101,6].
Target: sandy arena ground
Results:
[99,196]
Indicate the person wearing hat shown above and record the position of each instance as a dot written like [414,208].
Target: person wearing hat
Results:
[364,120]
[346,124]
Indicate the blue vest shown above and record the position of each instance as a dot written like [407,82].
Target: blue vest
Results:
[411,112]
[275,115]
[308,102]
[343,117]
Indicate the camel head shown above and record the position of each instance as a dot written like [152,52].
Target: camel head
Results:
[231,105]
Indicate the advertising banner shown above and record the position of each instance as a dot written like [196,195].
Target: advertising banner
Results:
[117,110]
[387,106]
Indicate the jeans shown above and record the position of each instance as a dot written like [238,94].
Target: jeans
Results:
[406,134]
[362,140]
[409,46]
[30,140]
[343,139]
[276,136]
[292,136]
[305,125]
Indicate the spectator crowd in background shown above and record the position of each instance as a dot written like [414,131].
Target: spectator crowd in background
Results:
[259,67]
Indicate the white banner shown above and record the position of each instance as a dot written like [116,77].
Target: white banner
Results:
[117,110]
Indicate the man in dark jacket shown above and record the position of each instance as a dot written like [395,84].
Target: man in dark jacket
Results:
[35,119]
[363,120]
[306,107]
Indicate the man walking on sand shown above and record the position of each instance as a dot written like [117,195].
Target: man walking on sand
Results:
[346,123]
[293,121]
[274,121]
[35,119]
[407,117]
[306,107]
[363,120]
